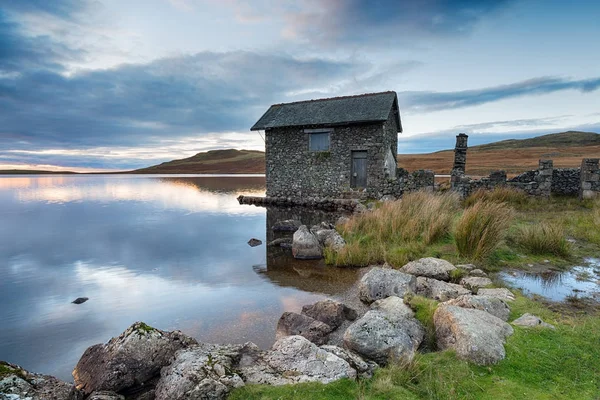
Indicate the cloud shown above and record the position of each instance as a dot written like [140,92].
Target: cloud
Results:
[435,101]
[381,22]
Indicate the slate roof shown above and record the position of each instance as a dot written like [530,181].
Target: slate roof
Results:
[335,111]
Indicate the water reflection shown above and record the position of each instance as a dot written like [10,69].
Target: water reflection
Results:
[170,251]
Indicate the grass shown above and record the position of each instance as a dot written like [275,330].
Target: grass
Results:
[539,364]
[545,238]
[500,194]
[424,309]
[481,228]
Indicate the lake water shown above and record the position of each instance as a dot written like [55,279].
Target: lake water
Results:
[167,250]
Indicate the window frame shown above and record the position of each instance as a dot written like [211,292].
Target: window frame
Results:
[310,132]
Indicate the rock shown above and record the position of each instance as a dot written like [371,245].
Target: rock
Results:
[299,360]
[467,267]
[386,333]
[330,312]
[305,245]
[329,238]
[388,197]
[288,225]
[493,305]
[200,372]
[285,243]
[478,272]
[363,368]
[17,383]
[499,293]
[430,267]
[473,283]
[380,283]
[129,360]
[529,320]
[359,208]
[105,395]
[475,335]
[80,300]
[254,242]
[291,324]
[342,220]
[439,290]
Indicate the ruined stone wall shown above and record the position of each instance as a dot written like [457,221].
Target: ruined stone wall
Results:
[292,170]
[589,178]
[409,182]
[565,181]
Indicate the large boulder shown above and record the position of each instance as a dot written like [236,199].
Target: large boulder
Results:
[17,383]
[329,238]
[291,324]
[288,225]
[201,372]
[129,360]
[492,305]
[528,320]
[499,293]
[330,312]
[430,267]
[474,283]
[305,245]
[388,332]
[364,368]
[439,290]
[475,335]
[380,283]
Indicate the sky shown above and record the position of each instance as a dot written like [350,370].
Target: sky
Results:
[90,85]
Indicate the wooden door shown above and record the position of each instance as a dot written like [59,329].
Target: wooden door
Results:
[359,169]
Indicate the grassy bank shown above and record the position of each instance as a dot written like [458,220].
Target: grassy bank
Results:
[539,364]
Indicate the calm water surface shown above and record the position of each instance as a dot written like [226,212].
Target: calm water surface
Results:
[169,251]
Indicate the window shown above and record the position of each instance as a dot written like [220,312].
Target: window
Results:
[318,140]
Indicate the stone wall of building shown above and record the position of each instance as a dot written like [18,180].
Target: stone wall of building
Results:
[565,181]
[292,170]
[589,178]
[408,182]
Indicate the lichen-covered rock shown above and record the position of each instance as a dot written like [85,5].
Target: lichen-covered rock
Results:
[364,368]
[492,305]
[475,335]
[474,283]
[17,383]
[129,360]
[201,372]
[500,293]
[528,320]
[478,272]
[439,290]
[330,312]
[380,283]
[288,225]
[430,267]
[466,267]
[105,395]
[305,245]
[299,360]
[388,332]
[291,324]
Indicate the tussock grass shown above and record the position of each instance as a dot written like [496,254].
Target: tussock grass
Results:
[500,194]
[481,229]
[544,238]
[424,309]
[398,231]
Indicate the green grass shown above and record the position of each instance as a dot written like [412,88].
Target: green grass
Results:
[424,309]
[545,238]
[539,364]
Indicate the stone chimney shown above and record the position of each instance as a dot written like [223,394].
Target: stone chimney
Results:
[460,154]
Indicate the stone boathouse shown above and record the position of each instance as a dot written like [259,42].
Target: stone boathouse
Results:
[335,147]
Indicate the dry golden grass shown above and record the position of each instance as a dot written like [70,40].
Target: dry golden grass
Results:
[500,194]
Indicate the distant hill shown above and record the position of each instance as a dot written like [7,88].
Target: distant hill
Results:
[514,156]
[229,161]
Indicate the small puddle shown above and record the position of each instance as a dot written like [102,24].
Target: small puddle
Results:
[581,281]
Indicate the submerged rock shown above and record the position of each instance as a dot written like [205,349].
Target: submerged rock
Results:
[80,300]
[288,225]
[475,335]
[439,290]
[388,332]
[291,324]
[285,243]
[493,305]
[380,283]
[528,320]
[254,242]
[129,360]
[330,312]
[17,383]
[430,267]
[305,245]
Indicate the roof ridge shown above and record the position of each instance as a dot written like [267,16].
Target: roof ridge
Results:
[336,98]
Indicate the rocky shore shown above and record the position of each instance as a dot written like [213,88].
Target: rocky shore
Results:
[325,342]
